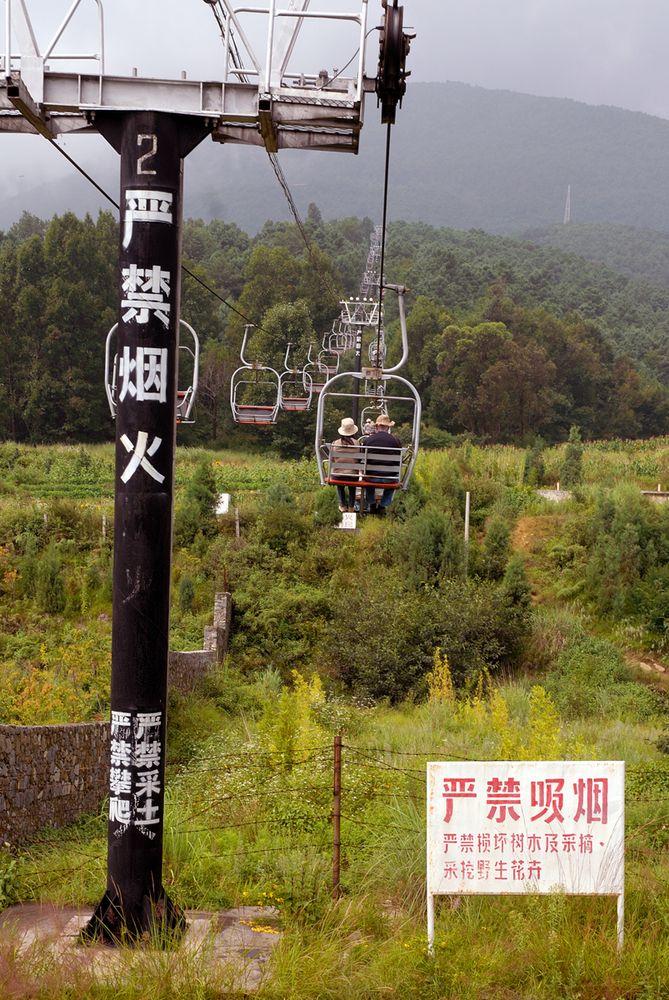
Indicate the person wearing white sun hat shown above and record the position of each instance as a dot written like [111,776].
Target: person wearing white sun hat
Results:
[346,439]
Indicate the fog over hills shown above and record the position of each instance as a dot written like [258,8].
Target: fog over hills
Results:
[462,156]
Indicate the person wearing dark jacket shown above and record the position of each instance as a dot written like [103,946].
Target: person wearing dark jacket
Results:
[380,438]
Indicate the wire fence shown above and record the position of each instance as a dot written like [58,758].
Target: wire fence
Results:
[381,807]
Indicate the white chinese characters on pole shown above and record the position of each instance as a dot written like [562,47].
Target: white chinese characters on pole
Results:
[140,450]
[499,827]
[145,206]
[134,779]
[144,375]
[146,291]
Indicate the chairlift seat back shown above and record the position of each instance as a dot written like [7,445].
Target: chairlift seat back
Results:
[361,466]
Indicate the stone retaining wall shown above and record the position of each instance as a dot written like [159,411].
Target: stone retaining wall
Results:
[52,775]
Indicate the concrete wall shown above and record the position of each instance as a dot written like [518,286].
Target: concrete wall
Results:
[52,775]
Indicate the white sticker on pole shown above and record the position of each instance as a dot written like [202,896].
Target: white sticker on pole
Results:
[502,827]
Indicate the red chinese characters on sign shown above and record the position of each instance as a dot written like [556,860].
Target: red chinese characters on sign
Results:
[593,800]
[503,796]
[456,788]
[546,798]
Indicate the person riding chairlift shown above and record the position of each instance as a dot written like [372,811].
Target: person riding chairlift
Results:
[346,439]
[381,438]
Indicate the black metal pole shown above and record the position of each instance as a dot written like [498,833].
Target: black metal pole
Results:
[152,146]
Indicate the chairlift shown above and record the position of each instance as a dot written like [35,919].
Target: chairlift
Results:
[373,410]
[295,388]
[318,373]
[377,351]
[341,340]
[379,390]
[329,360]
[120,369]
[254,390]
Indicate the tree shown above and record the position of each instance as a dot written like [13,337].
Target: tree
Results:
[216,369]
[571,473]
[534,468]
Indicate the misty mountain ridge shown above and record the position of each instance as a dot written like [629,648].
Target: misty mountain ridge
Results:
[461,156]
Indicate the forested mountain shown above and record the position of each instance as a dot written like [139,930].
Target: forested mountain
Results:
[642,254]
[462,156]
[508,339]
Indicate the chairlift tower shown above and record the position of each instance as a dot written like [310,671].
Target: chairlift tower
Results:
[154,124]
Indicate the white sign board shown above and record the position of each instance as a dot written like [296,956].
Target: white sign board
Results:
[349,521]
[223,503]
[500,827]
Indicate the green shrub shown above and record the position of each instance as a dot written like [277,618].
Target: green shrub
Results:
[571,473]
[51,596]
[583,673]
[430,547]
[495,548]
[186,594]
[326,508]
[534,468]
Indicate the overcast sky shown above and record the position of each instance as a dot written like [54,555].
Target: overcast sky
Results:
[596,51]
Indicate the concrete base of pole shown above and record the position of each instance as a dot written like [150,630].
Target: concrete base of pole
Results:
[155,919]
[227,951]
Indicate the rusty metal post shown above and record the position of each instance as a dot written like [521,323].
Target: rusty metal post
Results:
[336,819]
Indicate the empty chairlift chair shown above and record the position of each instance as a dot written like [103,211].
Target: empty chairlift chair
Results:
[317,372]
[121,374]
[254,391]
[295,388]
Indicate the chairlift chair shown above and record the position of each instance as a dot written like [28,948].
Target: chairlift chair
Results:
[341,340]
[381,468]
[327,358]
[254,391]
[295,388]
[374,390]
[189,356]
[318,373]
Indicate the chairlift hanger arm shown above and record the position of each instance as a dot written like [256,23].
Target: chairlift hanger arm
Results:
[401,292]
[256,102]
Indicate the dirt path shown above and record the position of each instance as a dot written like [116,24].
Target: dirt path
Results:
[531,537]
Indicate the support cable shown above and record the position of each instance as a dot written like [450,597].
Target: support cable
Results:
[184,268]
[281,177]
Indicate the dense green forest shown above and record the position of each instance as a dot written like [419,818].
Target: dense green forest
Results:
[641,254]
[508,339]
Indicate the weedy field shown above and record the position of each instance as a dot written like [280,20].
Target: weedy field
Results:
[379,637]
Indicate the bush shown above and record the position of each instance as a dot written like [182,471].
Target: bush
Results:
[534,468]
[495,550]
[281,521]
[430,547]
[382,643]
[51,595]
[186,594]
[326,508]
[583,674]
[571,473]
